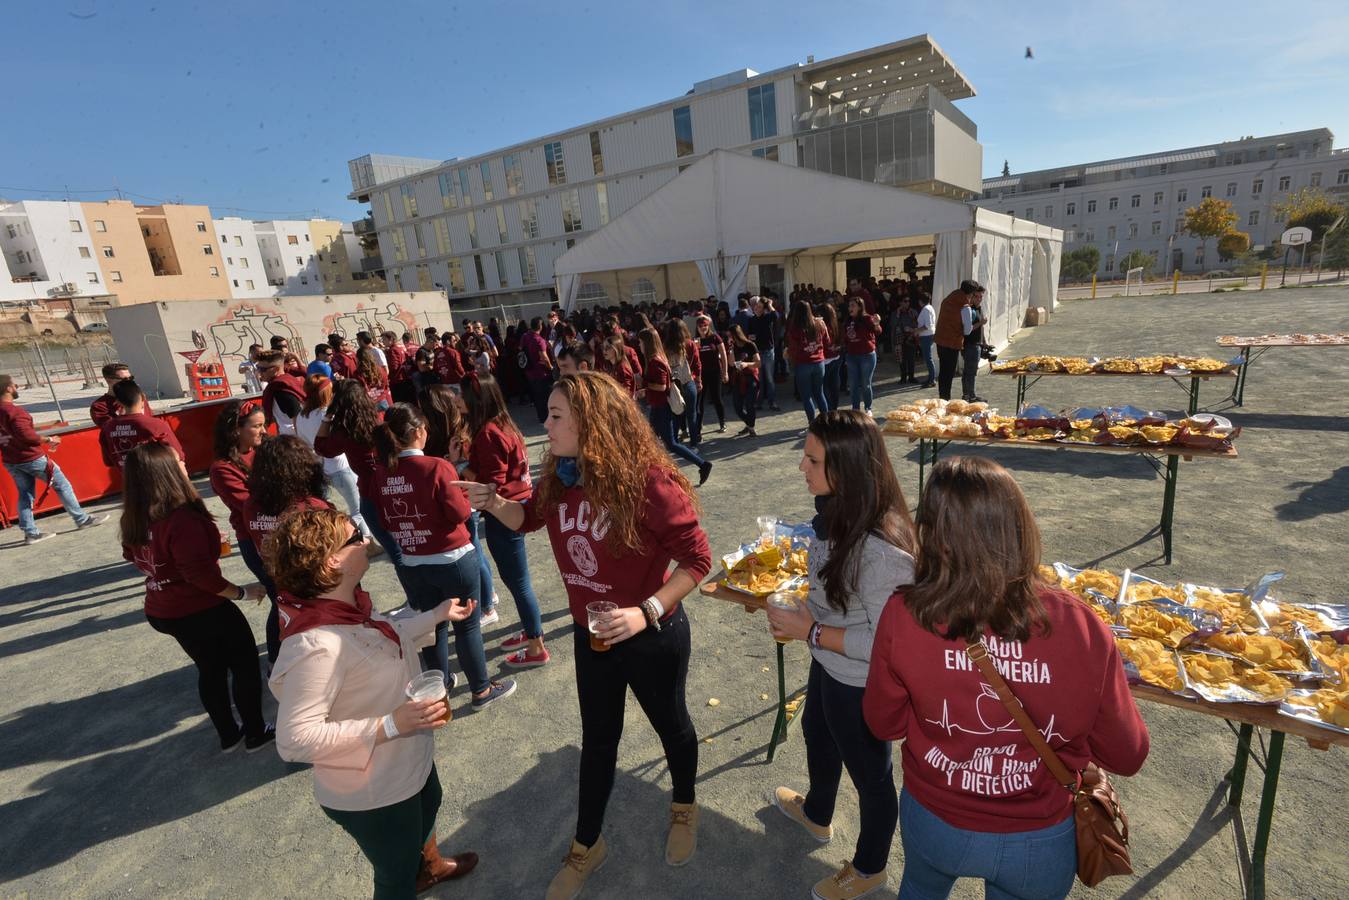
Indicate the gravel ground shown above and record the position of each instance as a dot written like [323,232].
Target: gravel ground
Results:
[111,783]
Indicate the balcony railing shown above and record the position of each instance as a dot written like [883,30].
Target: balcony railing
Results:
[372,263]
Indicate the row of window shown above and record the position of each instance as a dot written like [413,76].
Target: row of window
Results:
[525,258]
[1071,209]
[1112,232]
[1285,183]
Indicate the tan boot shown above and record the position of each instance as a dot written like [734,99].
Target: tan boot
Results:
[683,839]
[578,865]
[792,805]
[436,868]
[848,885]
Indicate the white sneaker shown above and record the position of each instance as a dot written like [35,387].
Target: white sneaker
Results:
[870,414]
[37,538]
[490,618]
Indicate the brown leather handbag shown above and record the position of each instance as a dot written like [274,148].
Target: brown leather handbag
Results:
[1102,827]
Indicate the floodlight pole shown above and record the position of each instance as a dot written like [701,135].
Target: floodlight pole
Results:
[1283,278]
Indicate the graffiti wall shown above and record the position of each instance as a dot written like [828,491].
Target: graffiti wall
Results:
[158,339]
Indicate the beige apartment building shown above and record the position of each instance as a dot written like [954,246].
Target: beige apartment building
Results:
[153,253]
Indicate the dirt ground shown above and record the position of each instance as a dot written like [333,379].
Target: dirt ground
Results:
[112,784]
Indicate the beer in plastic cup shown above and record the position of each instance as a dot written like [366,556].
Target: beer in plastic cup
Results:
[596,613]
[430,686]
[781,600]
[224,548]
[767,528]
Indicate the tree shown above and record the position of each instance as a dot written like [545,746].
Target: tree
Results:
[1337,249]
[1006,169]
[1233,244]
[1310,208]
[1210,219]
[1137,259]
[1080,264]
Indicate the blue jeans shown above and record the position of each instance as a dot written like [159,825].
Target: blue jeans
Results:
[26,476]
[253,560]
[486,592]
[370,515]
[861,369]
[810,385]
[768,389]
[925,346]
[508,549]
[689,419]
[833,375]
[662,421]
[1032,865]
[344,482]
[428,586]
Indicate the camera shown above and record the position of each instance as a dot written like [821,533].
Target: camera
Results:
[986,352]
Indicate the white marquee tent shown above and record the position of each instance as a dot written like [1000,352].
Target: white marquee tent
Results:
[729,210]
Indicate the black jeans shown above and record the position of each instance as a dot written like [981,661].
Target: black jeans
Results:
[967,375]
[908,359]
[711,386]
[221,644]
[392,837]
[655,664]
[253,559]
[837,736]
[947,359]
[539,389]
[744,398]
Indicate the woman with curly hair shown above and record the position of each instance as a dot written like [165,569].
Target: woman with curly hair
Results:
[618,513]
[168,534]
[447,437]
[340,688]
[807,338]
[372,377]
[686,367]
[497,455]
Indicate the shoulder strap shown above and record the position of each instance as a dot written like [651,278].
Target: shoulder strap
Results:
[978,654]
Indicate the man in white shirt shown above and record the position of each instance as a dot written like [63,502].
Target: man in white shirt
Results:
[927,328]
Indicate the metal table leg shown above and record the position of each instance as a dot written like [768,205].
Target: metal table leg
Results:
[1263,825]
[1169,504]
[1020,392]
[922,465]
[1237,774]
[1194,394]
[780,723]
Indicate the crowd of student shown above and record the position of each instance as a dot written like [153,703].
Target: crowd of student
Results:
[433,469]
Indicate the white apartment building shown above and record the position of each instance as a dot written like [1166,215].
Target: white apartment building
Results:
[244,266]
[48,250]
[1139,202]
[491,226]
[289,256]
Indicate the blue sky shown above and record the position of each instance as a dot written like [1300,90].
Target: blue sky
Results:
[255,107]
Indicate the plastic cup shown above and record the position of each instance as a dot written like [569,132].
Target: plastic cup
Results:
[430,686]
[767,528]
[784,601]
[597,614]
[224,548]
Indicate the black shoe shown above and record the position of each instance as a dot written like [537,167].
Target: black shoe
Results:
[975,398]
[253,745]
[229,746]
[928,384]
[703,471]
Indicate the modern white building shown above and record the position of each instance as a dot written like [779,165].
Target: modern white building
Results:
[1139,202]
[49,250]
[289,256]
[244,265]
[491,226]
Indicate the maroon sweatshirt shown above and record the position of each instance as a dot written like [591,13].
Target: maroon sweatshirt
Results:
[964,758]
[344,365]
[421,507]
[360,456]
[105,407]
[591,571]
[657,371]
[122,434]
[860,335]
[181,562]
[497,456]
[19,440]
[260,525]
[284,383]
[801,349]
[230,483]
[449,365]
[397,358]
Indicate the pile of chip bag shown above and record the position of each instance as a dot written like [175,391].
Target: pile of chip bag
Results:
[1115,365]
[1225,645]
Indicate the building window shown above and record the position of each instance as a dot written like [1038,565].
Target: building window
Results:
[208,249]
[409,200]
[529,219]
[1315,179]
[463,187]
[1135,201]
[1157,198]
[501,225]
[1049,212]
[571,211]
[421,241]
[1110,262]
[84,253]
[683,129]
[763,113]
[236,282]
[515,173]
[1231,188]
[215,273]
[596,153]
[75,225]
[115,276]
[1182,195]
[249,283]
[591,292]
[456,269]
[243,262]
[1113,204]
[1110,233]
[1070,209]
[93,277]
[529,270]
[1206,191]
[1342,176]
[1030,213]
[1284,182]
[100,225]
[1091,206]
[107,252]
[1090,236]
[299,260]
[502,280]
[1278,216]
[472,230]
[485,169]
[552,158]
[1133,230]
[602,197]
[448,200]
[201,226]
[292,240]
[769,152]
[424,282]
[1199,257]
[238,240]
[1253,218]
[304,279]
[1180,224]
[477,270]
[442,237]
[1156,228]
[400,246]
[1258,186]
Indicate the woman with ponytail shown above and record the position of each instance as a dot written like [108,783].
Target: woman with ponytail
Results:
[427,513]
[318,396]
